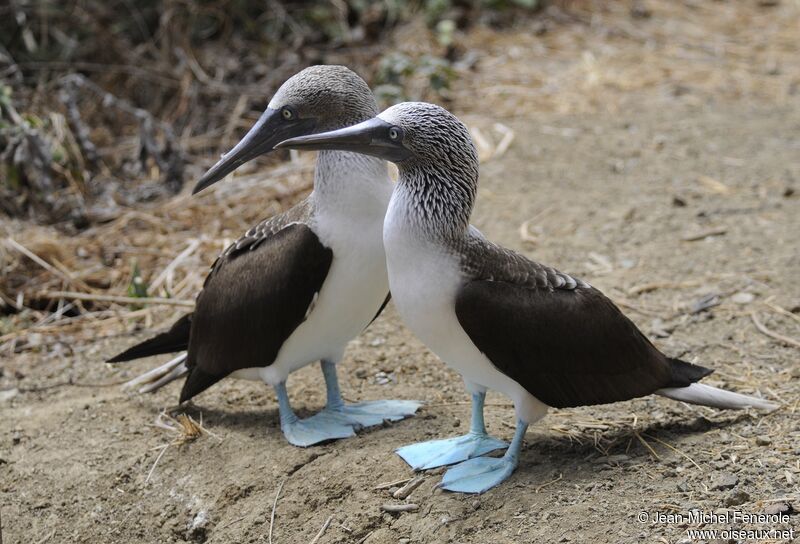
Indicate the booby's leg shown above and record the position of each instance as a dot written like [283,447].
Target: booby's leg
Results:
[437,453]
[481,474]
[360,414]
[307,432]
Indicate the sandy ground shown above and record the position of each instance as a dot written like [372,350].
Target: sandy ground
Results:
[663,204]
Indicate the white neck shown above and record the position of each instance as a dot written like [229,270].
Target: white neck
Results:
[350,186]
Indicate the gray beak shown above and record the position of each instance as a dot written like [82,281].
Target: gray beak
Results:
[270,129]
[369,138]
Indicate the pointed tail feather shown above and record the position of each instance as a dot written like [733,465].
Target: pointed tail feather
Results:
[160,376]
[174,340]
[706,395]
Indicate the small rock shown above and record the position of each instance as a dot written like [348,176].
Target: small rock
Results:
[724,480]
[678,202]
[476,505]
[779,508]
[361,373]
[8,394]
[683,486]
[763,441]
[640,10]
[736,498]
[743,298]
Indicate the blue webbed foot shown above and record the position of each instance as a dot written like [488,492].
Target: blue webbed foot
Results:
[482,474]
[438,453]
[314,430]
[361,414]
[478,475]
[371,413]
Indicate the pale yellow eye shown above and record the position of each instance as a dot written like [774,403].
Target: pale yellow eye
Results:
[394,134]
[287,114]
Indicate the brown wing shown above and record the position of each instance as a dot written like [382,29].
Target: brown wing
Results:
[558,337]
[256,295]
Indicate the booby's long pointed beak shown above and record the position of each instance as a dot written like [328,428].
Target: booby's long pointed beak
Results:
[371,137]
[270,129]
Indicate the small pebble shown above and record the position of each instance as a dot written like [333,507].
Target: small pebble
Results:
[743,297]
[779,508]
[763,441]
[736,498]
[724,480]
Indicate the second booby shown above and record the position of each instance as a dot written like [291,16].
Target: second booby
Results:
[542,337]
[297,287]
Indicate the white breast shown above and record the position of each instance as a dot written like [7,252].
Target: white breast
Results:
[354,289]
[424,278]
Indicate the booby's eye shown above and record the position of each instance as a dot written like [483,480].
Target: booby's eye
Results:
[287,114]
[395,133]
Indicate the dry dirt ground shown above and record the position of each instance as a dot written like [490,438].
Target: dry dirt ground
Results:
[679,204]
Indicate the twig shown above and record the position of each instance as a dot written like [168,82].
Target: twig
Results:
[164,448]
[118,299]
[395,508]
[409,488]
[392,484]
[505,142]
[322,530]
[274,506]
[37,389]
[785,339]
[782,310]
[38,260]
[702,235]
[647,287]
[551,482]
[193,245]
[646,445]
[673,448]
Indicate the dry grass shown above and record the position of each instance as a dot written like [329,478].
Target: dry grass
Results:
[731,50]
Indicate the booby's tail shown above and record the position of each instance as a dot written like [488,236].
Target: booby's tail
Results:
[174,340]
[698,393]
[160,376]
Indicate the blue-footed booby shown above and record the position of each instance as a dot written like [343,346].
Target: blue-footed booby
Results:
[542,337]
[297,287]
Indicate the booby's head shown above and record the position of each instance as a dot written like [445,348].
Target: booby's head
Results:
[434,153]
[317,99]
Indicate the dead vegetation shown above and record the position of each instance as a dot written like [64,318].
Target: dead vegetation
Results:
[143,266]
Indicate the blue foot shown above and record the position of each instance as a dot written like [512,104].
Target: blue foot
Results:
[369,414]
[307,432]
[360,414]
[438,453]
[478,475]
[482,474]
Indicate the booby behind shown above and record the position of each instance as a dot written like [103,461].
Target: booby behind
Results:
[541,337]
[298,286]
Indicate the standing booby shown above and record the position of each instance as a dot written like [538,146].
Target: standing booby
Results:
[541,337]
[298,286]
